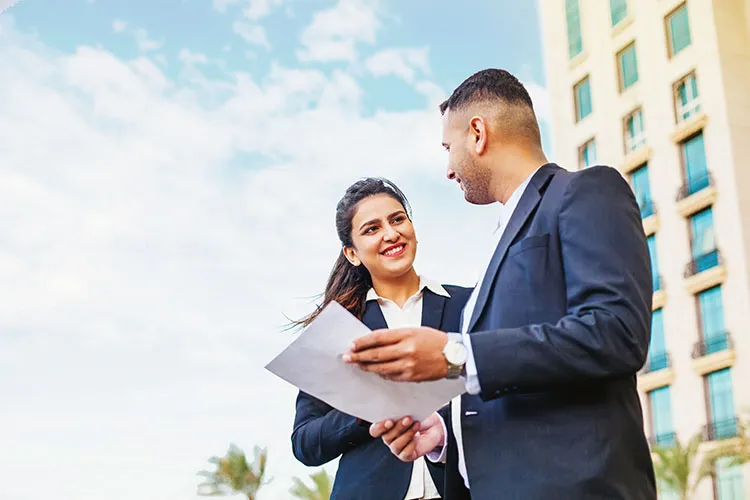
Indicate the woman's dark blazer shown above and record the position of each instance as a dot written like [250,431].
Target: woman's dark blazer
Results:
[367,469]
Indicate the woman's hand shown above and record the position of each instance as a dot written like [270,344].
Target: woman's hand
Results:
[411,440]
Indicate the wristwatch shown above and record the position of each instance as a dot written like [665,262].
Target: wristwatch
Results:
[455,354]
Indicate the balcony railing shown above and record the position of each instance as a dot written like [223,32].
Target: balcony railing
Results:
[703,262]
[685,111]
[634,142]
[648,208]
[722,429]
[656,361]
[663,440]
[692,186]
[716,342]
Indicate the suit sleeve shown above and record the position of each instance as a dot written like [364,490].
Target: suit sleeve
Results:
[606,331]
[322,433]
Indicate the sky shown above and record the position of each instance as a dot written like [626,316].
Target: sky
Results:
[168,177]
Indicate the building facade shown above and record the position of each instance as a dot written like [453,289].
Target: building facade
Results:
[660,89]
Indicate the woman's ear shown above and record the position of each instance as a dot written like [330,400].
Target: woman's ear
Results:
[351,256]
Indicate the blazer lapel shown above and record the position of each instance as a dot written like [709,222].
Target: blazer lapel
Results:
[432,309]
[526,205]
[373,317]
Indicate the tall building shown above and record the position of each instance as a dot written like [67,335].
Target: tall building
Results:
[659,89]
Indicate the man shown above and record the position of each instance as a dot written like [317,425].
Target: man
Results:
[554,333]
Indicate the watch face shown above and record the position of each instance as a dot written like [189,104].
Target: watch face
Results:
[455,353]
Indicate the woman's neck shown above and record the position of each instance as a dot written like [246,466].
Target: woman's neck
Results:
[398,289]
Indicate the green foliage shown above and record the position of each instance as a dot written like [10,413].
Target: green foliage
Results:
[234,475]
[321,489]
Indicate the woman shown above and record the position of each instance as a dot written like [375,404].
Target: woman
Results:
[374,278]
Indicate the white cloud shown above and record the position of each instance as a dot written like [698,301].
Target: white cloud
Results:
[258,9]
[145,43]
[142,39]
[6,4]
[155,232]
[334,33]
[253,34]
[119,26]
[405,63]
[540,97]
[187,56]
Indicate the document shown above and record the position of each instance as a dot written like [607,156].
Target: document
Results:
[313,363]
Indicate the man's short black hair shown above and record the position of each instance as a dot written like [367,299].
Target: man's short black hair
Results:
[488,83]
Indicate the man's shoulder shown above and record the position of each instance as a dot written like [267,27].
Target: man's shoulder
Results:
[596,179]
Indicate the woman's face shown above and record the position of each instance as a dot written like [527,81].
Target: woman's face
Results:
[383,238]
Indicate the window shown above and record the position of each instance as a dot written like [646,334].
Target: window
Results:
[661,416]
[635,135]
[721,401]
[728,480]
[627,66]
[582,91]
[654,256]
[694,164]
[678,30]
[703,235]
[686,99]
[711,310]
[587,154]
[618,10]
[573,17]
[657,349]
[642,190]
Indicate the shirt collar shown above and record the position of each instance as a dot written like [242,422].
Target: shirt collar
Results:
[424,282]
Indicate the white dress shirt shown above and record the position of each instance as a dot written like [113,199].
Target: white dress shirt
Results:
[421,485]
[472,378]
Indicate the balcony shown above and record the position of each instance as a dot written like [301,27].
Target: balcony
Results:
[723,429]
[702,263]
[656,373]
[663,440]
[647,208]
[657,361]
[705,271]
[713,344]
[696,194]
[713,353]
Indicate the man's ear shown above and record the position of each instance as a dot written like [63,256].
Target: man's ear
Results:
[478,127]
[351,256]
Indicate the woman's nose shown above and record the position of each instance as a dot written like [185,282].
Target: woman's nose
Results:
[390,233]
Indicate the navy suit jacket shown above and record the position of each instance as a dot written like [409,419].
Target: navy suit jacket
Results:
[560,329]
[367,469]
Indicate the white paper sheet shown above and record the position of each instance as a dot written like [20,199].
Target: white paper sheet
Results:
[313,363]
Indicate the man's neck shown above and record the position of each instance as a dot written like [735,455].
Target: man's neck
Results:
[398,289]
[517,169]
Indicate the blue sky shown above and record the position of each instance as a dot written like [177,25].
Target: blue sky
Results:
[169,172]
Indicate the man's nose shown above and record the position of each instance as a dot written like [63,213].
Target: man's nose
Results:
[450,174]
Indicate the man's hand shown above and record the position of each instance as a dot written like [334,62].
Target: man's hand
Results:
[410,440]
[405,355]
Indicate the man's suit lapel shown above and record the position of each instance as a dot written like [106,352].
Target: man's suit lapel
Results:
[373,316]
[432,309]
[526,205]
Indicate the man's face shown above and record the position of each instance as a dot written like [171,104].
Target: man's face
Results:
[464,163]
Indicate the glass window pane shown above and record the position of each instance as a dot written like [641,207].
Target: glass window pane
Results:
[661,409]
[658,342]
[619,10]
[721,397]
[679,29]
[729,480]
[628,67]
[583,99]
[711,308]
[696,170]
[573,16]
[702,228]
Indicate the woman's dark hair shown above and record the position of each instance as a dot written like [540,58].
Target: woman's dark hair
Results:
[348,284]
